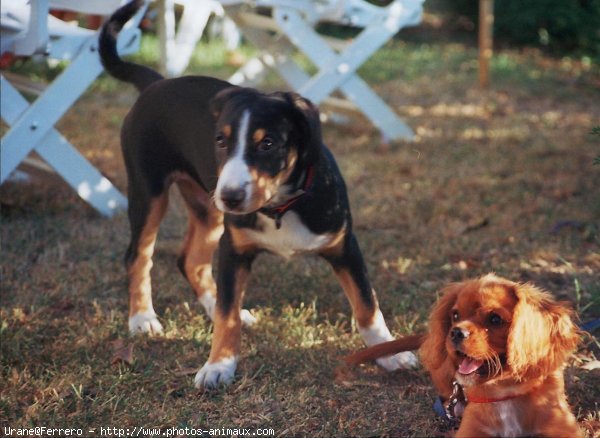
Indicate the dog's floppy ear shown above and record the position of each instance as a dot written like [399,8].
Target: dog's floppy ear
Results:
[542,334]
[433,352]
[307,118]
[217,104]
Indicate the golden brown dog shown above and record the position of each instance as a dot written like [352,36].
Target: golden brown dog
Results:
[506,345]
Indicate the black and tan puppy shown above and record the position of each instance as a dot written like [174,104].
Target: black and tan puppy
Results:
[255,177]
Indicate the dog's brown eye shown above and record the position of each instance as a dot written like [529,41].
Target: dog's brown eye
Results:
[455,315]
[265,145]
[495,319]
[220,141]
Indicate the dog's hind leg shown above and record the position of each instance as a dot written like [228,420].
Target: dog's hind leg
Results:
[349,267]
[205,227]
[145,215]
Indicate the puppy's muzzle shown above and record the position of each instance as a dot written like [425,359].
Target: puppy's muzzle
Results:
[233,197]
[457,335]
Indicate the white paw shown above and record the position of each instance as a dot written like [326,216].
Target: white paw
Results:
[404,360]
[209,303]
[215,374]
[145,322]
[248,320]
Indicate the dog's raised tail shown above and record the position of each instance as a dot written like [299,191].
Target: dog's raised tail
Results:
[138,75]
[406,343]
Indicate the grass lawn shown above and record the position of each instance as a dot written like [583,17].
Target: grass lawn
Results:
[497,180]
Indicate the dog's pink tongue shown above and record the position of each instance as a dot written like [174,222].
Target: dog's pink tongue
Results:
[469,365]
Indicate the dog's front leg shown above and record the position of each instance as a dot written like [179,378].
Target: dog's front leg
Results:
[350,269]
[233,271]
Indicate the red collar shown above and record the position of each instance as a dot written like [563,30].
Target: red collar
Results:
[460,398]
[278,211]
[491,400]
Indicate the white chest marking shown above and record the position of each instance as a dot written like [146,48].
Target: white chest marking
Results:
[509,419]
[292,238]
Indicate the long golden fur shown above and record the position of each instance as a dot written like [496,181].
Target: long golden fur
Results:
[507,345]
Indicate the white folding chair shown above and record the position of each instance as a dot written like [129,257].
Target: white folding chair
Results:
[278,28]
[29,30]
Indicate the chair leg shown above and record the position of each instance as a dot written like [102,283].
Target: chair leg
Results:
[62,156]
[334,68]
[82,176]
[376,110]
[339,71]
[35,122]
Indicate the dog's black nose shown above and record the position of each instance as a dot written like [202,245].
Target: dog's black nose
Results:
[232,198]
[458,334]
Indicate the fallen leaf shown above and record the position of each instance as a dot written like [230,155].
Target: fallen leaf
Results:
[476,224]
[122,353]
